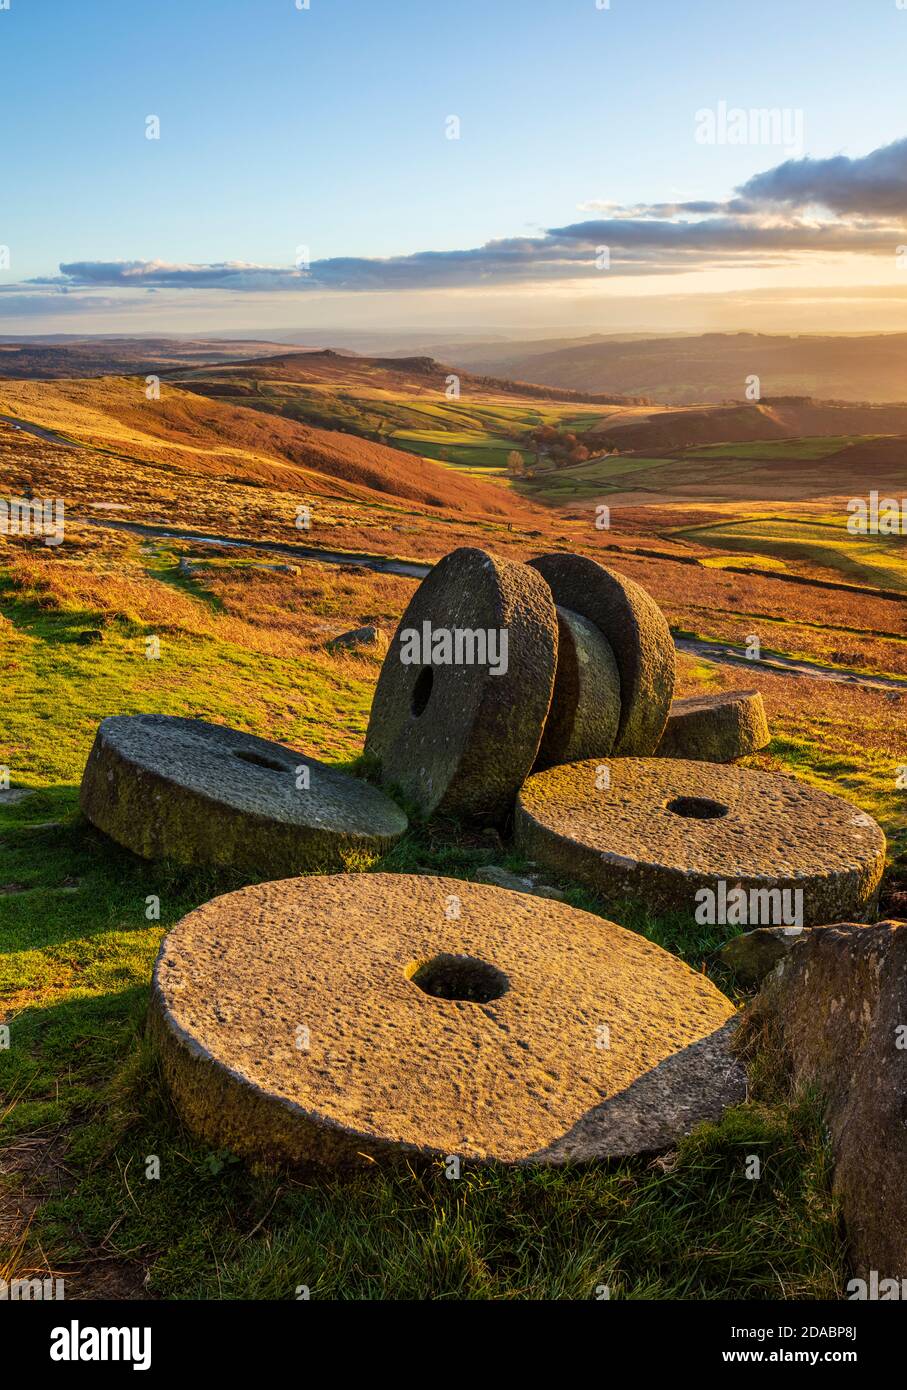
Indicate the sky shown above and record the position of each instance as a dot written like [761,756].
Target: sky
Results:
[517,167]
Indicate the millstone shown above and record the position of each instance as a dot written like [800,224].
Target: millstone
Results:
[660,830]
[182,789]
[638,634]
[716,728]
[585,707]
[455,733]
[349,1017]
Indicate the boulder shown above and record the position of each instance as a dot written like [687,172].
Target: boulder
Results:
[752,954]
[716,728]
[837,1007]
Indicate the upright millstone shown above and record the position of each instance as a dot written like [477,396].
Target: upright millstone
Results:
[199,793]
[585,707]
[638,634]
[716,728]
[465,688]
[349,1018]
[717,844]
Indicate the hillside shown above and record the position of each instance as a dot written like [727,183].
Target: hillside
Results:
[710,367]
[223,440]
[780,418]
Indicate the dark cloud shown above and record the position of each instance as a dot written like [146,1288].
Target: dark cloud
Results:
[874,184]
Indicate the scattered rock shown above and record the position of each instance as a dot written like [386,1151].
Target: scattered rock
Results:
[458,728]
[503,878]
[662,830]
[13,795]
[638,634]
[754,953]
[357,638]
[716,728]
[836,1006]
[199,793]
[346,1018]
[585,706]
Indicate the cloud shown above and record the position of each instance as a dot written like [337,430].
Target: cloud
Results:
[876,183]
[770,219]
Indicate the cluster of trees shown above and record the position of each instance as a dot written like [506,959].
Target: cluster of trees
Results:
[562,448]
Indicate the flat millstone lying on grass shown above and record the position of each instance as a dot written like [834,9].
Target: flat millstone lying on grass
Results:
[347,1017]
[638,634]
[585,706]
[199,793]
[452,734]
[659,830]
[716,728]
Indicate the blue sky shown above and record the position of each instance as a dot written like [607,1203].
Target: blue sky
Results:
[326,127]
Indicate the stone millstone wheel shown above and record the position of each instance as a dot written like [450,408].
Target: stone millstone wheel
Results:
[658,830]
[716,728]
[585,707]
[199,793]
[450,733]
[638,634]
[349,1017]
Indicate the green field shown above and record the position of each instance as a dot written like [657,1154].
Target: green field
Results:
[808,447]
[880,561]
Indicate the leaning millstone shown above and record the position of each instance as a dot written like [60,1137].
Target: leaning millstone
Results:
[350,1017]
[837,1008]
[720,844]
[465,687]
[585,707]
[635,628]
[199,793]
[752,954]
[716,728]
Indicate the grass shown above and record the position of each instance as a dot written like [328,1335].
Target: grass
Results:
[81,1102]
[82,1105]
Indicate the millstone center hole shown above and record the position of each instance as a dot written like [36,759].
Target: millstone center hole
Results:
[422,690]
[259,760]
[458,977]
[697,808]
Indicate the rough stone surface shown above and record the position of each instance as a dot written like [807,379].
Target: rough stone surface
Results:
[454,737]
[196,793]
[752,954]
[291,1027]
[585,707]
[837,1004]
[716,728]
[638,634]
[731,825]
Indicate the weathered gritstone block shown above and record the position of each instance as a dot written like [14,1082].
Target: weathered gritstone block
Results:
[716,728]
[585,707]
[635,628]
[659,830]
[200,793]
[349,1017]
[457,733]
